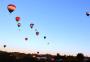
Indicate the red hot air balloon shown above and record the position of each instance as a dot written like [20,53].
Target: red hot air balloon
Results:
[11,8]
[31,25]
[19,24]
[17,18]
[37,33]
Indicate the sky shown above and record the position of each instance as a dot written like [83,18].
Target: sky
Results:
[63,22]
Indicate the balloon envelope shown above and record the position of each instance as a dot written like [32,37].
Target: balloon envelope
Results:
[17,18]
[88,13]
[26,38]
[44,37]
[4,46]
[19,24]
[37,52]
[11,8]
[31,25]
[37,33]
[48,43]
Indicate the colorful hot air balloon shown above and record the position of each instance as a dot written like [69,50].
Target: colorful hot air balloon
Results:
[17,18]
[19,24]
[11,8]
[31,25]
[37,33]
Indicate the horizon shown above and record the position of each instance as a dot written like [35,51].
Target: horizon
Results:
[43,52]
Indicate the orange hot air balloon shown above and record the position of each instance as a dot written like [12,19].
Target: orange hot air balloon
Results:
[17,18]
[11,8]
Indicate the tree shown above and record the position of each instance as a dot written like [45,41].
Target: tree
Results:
[80,57]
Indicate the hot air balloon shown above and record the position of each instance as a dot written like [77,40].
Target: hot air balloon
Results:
[37,33]
[44,37]
[26,39]
[37,52]
[88,13]
[4,46]
[31,25]
[19,24]
[17,18]
[48,43]
[35,29]
[11,8]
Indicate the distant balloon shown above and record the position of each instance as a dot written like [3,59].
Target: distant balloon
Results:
[44,37]
[37,52]
[37,33]
[4,46]
[31,25]
[35,29]
[19,24]
[48,43]
[11,8]
[26,39]
[88,13]
[17,18]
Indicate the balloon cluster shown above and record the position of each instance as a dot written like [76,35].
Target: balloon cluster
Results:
[11,8]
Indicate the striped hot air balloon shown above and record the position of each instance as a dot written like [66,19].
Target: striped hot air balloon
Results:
[11,8]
